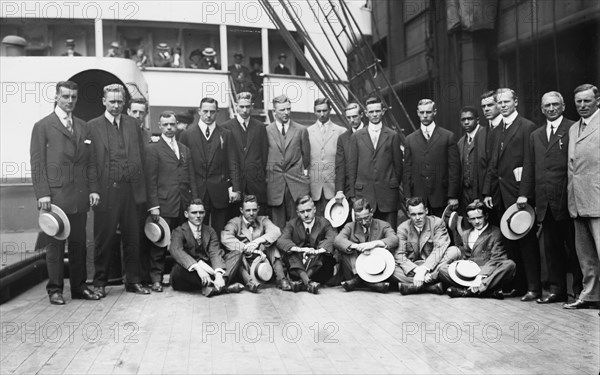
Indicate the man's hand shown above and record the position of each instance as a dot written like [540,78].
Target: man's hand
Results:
[419,278]
[453,203]
[521,203]
[250,247]
[94,199]
[155,214]
[44,203]
[339,197]
[203,275]
[476,284]
[305,172]
[234,196]
[219,282]
[488,202]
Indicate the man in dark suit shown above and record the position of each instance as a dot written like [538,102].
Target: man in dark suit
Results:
[119,149]
[240,74]
[491,112]
[545,177]
[281,68]
[431,162]
[70,44]
[473,158]
[138,109]
[169,179]
[308,242]
[484,245]
[375,165]
[287,163]
[363,234]
[251,148]
[511,143]
[214,162]
[61,157]
[200,261]
[354,114]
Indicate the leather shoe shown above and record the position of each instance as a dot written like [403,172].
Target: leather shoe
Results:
[581,304]
[434,288]
[313,287]
[496,294]
[209,291]
[553,298]
[253,286]
[351,284]
[136,288]
[100,291]
[235,288]
[531,296]
[380,287]
[284,284]
[56,298]
[457,292]
[298,286]
[157,287]
[85,294]
[406,289]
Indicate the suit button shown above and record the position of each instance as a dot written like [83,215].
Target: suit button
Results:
[499,178]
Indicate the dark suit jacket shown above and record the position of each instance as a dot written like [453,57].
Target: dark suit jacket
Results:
[280,70]
[500,176]
[215,172]
[375,173]
[169,180]
[294,234]
[431,169]
[186,251]
[251,157]
[62,164]
[132,135]
[487,251]
[479,166]
[353,233]
[545,171]
[342,180]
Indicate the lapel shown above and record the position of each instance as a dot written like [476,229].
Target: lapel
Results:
[543,137]
[319,137]
[60,127]
[290,134]
[425,233]
[245,231]
[127,136]
[359,233]
[167,150]
[384,134]
[366,137]
[197,135]
[510,132]
[591,128]
[77,132]
[215,143]
[461,145]
[103,132]
[272,128]
[482,237]
[434,137]
[189,236]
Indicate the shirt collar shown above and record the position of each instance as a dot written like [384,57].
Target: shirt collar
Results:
[496,121]
[482,229]
[204,125]
[62,115]
[374,127]
[279,125]
[511,118]
[194,228]
[357,129]
[168,140]
[554,123]
[589,119]
[241,120]
[112,118]
[429,128]
[472,133]
[310,225]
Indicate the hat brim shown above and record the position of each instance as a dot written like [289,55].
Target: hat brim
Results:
[340,219]
[458,280]
[64,234]
[255,264]
[166,240]
[504,227]
[390,264]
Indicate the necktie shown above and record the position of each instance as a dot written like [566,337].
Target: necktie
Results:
[207,132]
[69,125]
[469,139]
[551,133]
[366,234]
[582,125]
[375,138]
[198,235]
[172,145]
[244,126]
[307,232]
[283,129]
[427,136]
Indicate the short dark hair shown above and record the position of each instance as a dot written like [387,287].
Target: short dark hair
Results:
[245,95]
[210,101]
[303,199]
[352,106]
[280,100]
[373,100]
[68,85]
[196,202]
[415,201]
[142,101]
[249,199]
[489,94]
[167,114]
[361,204]
[503,90]
[585,87]
[477,206]
[469,108]
[320,101]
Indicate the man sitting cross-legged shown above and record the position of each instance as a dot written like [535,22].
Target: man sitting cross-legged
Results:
[483,244]
[424,248]
[307,239]
[200,262]
[254,236]
[363,234]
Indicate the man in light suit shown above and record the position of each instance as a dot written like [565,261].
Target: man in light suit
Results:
[254,236]
[584,192]
[169,179]
[251,147]
[473,158]
[323,136]
[119,148]
[484,245]
[375,165]
[61,172]
[431,162]
[200,262]
[545,176]
[288,162]
[363,234]
[503,185]
[354,114]
[214,161]
[424,247]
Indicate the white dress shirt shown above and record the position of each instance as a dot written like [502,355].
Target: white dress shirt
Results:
[428,130]
[510,119]
[474,235]
[551,127]
[204,126]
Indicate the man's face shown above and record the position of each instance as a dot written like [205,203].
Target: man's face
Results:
[552,107]
[417,215]
[477,219]
[507,103]
[195,214]
[66,99]
[244,108]
[306,211]
[586,103]
[364,217]
[137,111]
[237,59]
[490,108]
[249,211]
[168,126]
[282,60]
[322,111]
[468,121]
[353,117]
[282,112]
[426,113]
[208,113]
[113,101]
[374,113]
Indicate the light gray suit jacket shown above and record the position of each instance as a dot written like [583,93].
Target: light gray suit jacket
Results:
[322,159]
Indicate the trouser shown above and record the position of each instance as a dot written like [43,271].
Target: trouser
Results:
[587,243]
[389,217]
[285,211]
[158,254]
[317,267]
[184,280]
[500,276]
[274,258]
[451,254]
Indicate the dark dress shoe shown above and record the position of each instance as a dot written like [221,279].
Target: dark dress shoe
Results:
[581,304]
[434,288]
[313,287]
[380,287]
[406,289]
[136,288]
[100,291]
[253,286]
[234,288]
[56,298]
[351,284]
[284,284]
[157,287]
[553,298]
[209,291]
[457,292]
[496,294]
[531,296]
[86,294]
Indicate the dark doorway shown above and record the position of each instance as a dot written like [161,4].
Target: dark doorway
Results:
[91,83]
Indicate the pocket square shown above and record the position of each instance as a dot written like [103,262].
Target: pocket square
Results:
[88,141]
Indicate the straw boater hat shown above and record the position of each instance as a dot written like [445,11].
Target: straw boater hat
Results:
[158,233]
[55,223]
[70,42]
[337,213]
[163,47]
[376,267]
[115,45]
[209,52]
[517,223]
[261,270]
[450,217]
[14,40]
[463,272]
